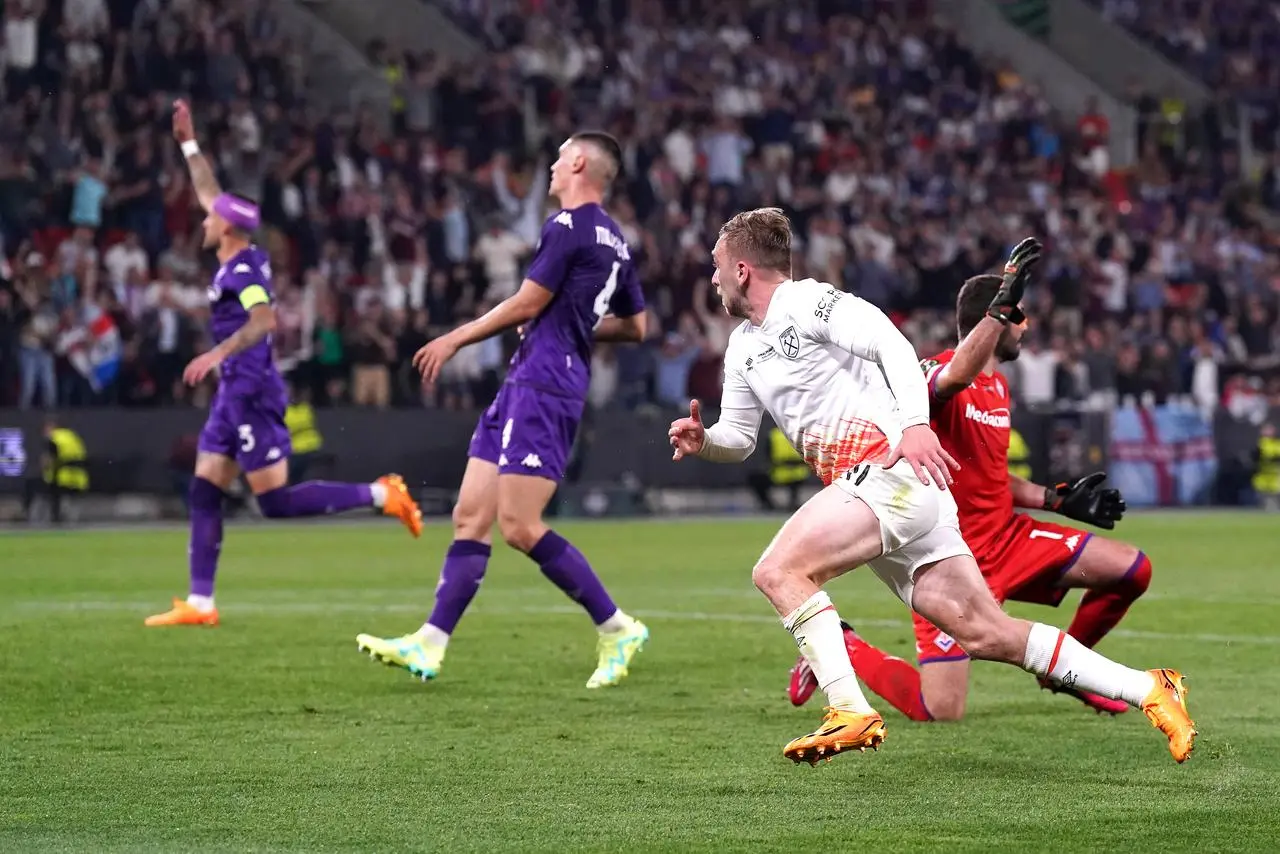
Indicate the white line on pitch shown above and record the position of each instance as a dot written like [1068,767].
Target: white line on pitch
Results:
[373,608]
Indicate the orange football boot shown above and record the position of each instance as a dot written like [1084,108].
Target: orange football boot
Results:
[400,504]
[183,614]
[1166,708]
[840,731]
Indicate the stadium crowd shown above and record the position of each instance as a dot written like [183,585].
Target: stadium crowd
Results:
[905,161]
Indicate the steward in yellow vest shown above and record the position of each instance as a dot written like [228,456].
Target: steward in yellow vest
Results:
[300,419]
[1266,478]
[1019,456]
[786,468]
[63,469]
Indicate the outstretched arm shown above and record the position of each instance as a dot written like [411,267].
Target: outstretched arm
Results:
[202,177]
[521,307]
[1026,494]
[524,305]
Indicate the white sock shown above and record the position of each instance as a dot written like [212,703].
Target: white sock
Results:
[379,492]
[433,636]
[816,628]
[616,623]
[204,604]
[1064,660]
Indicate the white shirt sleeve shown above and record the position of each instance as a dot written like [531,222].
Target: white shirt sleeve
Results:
[733,438]
[855,325]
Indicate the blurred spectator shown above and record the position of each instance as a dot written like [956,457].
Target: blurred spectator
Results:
[499,252]
[371,350]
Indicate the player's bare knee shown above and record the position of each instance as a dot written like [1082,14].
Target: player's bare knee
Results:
[769,576]
[520,533]
[471,522]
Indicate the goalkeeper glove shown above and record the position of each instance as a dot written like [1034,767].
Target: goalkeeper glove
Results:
[1086,501]
[1017,271]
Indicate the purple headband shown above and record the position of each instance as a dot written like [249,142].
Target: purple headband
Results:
[236,211]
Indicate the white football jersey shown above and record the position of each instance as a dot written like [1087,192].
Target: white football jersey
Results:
[832,371]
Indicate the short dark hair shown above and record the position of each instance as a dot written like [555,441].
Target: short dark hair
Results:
[975,298]
[607,145]
[761,237]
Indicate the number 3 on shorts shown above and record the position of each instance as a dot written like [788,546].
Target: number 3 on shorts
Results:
[601,306]
[247,441]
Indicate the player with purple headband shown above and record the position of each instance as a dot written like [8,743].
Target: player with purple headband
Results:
[245,431]
[581,287]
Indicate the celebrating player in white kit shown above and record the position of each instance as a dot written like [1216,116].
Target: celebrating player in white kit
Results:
[844,385]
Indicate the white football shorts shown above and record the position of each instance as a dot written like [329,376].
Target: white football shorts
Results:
[919,524]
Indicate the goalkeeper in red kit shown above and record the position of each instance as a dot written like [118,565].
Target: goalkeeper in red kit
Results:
[1023,558]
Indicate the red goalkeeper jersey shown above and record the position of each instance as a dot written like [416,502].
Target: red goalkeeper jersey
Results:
[973,425]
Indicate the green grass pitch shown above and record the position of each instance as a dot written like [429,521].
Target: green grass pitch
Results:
[272,733]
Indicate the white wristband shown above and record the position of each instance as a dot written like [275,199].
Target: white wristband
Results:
[190,148]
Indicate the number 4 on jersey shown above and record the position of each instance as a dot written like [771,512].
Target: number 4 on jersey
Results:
[601,307]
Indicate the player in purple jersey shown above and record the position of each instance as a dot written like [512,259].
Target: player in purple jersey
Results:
[581,287]
[245,431]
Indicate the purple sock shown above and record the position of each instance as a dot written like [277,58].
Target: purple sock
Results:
[464,566]
[314,498]
[206,535]
[569,570]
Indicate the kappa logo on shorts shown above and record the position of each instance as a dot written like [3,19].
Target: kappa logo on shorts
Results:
[944,642]
[273,454]
[532,461]
[790,342]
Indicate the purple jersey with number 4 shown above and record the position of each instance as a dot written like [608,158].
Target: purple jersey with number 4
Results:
[246,418]
[584,260]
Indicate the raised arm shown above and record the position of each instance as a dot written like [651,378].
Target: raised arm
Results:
[977,348]
[202,177]
[970,358]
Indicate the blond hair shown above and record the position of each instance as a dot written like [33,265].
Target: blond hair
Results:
[761,237]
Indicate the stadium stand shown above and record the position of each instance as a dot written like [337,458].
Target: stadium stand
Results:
[906,162]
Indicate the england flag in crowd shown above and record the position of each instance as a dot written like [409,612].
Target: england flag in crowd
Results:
[1162,455]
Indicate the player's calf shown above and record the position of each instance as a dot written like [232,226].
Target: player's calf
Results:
[952,596]
[521,502]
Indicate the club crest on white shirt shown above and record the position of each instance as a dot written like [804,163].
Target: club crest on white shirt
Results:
[789,342]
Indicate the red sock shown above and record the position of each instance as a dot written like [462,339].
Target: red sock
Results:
[1100,610]
[892,678]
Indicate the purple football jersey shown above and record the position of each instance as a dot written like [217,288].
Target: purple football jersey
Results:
[234,285]
[584,260]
